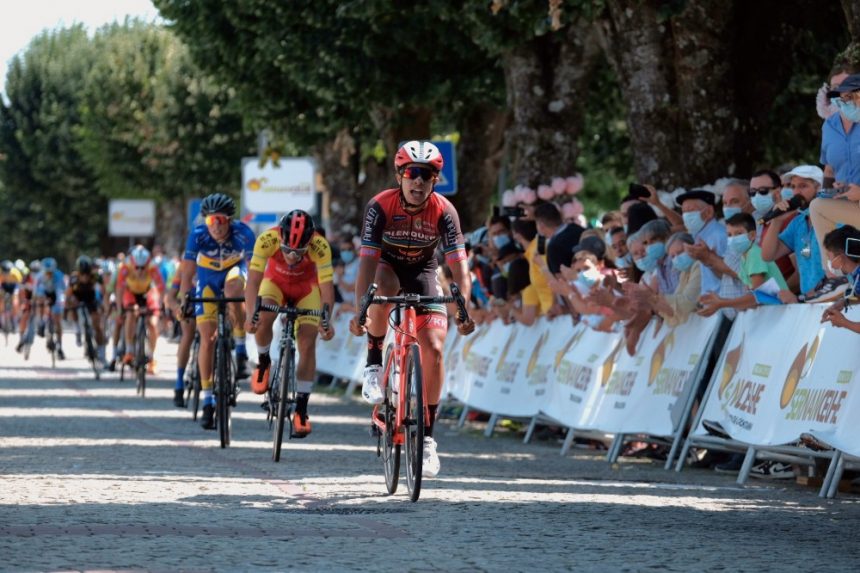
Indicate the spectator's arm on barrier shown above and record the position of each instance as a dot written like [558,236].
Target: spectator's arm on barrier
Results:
[838,320]
[671,215]
[787,297]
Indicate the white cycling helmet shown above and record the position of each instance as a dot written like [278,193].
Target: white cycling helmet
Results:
[139,256]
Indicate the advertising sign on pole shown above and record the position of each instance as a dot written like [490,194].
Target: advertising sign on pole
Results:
[447,184]
[131,218]
[272,190]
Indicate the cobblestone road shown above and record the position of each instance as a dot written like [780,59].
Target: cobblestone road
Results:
[95,478]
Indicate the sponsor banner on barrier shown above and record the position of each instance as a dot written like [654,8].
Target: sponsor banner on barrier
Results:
[343,356]
[783,374]
[637,393]
[581,366]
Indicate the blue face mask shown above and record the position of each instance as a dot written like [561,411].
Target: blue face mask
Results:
[849,110]
[739,244]
[730,212]
[655,251]
[347,256]
[693,221]
[682,262]
[762,203]
[501,241]
[786,193]
[646,264]
[624,262]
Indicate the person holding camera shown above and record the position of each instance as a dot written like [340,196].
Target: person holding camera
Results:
[842,246]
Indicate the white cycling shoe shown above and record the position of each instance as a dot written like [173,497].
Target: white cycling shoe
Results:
[371,389]
[431,465]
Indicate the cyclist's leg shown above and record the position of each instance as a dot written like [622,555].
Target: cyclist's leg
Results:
[129,301]
[306,338]
[389,285]
[271,293]
[56,315]
[207,318]
[153,304]
[234,286]
[183,351]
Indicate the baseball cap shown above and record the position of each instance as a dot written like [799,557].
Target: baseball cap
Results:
[812,172]
[849,84]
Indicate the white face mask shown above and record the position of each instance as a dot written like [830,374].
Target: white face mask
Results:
[834,271]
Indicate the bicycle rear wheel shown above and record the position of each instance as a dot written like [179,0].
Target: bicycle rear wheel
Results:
[192,381]
[140,356]
[390,450]
[223,396]
[89,335]
[413,419]
[285,382]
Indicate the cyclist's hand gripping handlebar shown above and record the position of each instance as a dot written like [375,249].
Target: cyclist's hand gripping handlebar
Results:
[366,301]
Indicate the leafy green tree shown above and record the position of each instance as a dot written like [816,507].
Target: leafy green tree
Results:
[51,190]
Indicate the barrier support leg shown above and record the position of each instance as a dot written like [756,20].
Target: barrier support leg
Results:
[462,421]
[682,457]
[531,430]
[350,388]
[568,442]
[334,382]
[615,449]
[831,471]
[837,475]
[749,460]
[491,425]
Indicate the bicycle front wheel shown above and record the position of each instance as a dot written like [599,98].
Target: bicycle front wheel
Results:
[140,356]
[413,419]
[223,397]
[285,383]
[390,450]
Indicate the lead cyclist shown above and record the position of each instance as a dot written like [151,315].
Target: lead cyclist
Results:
[403,227]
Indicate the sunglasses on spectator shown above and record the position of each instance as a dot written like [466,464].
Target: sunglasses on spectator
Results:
[761,190]
[424,173]
[217,219]
[287,250]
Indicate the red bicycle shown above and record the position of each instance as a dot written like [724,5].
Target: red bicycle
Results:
[400,419]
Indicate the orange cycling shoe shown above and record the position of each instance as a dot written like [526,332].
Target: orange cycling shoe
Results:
[128,358]
[260,376]
[301,426]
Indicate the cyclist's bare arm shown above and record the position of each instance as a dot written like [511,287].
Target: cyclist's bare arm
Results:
[186,273]
[252,288]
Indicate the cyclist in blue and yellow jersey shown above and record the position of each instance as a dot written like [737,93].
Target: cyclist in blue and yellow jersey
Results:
[51,291]
[219,250]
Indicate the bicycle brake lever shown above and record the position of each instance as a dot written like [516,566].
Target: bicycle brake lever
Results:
[256,317]
[325,316]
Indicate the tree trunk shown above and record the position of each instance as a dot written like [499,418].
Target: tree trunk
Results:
[545,79]
[852,18]
[479,157]
[677,81]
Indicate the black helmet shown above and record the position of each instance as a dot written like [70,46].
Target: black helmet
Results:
[297,228]
[6,266]
[218,203]
[84,265]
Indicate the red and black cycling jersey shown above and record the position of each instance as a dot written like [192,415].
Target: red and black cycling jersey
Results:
[402,238]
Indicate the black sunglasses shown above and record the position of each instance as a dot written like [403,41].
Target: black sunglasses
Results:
[424,173]
[761,190]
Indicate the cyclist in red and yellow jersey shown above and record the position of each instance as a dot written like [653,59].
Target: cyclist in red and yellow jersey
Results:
[139,284]
[291,266]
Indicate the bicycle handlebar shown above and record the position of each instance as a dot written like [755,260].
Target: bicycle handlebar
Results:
[412,299]
[294,312]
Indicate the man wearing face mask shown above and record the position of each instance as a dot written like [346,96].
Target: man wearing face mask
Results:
[346,280]
[736,198]
[799,238]
[840,263]
[766,191]
[697,209]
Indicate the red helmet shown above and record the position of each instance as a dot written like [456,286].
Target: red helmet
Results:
[297,227]
[419,152]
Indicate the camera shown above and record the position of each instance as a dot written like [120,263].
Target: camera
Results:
[852,248]
[512,212]
[637,191]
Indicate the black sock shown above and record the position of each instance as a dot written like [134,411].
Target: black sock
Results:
[374,349]
[431,410]
[302,404]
